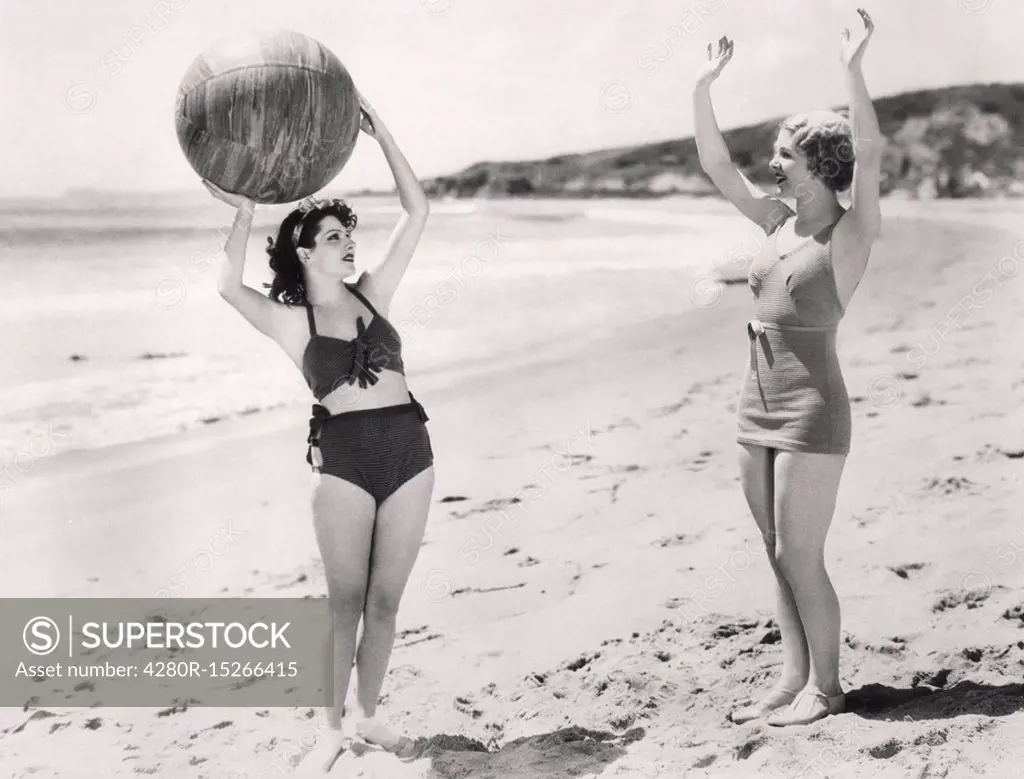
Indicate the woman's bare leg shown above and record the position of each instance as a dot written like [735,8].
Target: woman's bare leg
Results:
[398,534]
[343,517]
[758,474]
[806,487]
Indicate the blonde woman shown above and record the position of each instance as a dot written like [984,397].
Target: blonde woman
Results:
[793,419]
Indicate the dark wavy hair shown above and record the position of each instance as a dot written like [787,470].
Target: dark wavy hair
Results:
[289,283]
[825,138]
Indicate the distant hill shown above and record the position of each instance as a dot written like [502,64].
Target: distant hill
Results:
[965,141]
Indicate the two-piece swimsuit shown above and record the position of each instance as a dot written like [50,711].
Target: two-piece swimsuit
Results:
[377,449]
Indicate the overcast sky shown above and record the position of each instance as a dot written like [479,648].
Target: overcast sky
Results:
[458,81]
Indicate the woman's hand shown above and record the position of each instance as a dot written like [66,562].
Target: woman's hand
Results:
[369,122]
[238,201]
[716,63]
[852,52]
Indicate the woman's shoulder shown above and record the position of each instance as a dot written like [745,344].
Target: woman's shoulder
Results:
[358,281]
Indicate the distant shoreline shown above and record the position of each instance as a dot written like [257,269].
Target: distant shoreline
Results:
[557,195]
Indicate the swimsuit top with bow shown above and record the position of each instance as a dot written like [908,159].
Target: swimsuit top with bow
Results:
[328,363]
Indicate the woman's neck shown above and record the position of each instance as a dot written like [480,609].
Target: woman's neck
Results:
[818,208]
[324,292]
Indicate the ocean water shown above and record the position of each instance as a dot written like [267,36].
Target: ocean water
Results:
[113,330]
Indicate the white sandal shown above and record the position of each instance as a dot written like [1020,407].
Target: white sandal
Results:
[835,704]
[775,699]
[375,732]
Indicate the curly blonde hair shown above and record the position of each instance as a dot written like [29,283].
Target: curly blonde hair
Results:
[825,138]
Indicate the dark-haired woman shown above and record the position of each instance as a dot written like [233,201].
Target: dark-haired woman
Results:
[368,443]
[794,412]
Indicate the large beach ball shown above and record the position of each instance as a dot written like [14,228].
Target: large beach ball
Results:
[271,115]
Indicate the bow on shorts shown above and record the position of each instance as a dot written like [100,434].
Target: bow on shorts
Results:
[321,414]
[316,425]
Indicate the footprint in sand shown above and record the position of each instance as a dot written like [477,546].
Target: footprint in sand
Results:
[300,579]
[990,452]
[38,714]
[613,491]
[897,646]
[178,708]
[680,539]
[750,746]
[670,409]
[404,634]
[1004,660]
[971,598]
[615,469]
[1015,613]
[631,468]
[948,485]
[465,705]
[580,662]
[886,750]
[926,400]
[903,571]
[697,463]
[933,738]
[730,629]
[716,383]
[869,516]
[705,761]
[494,504]
[627,422]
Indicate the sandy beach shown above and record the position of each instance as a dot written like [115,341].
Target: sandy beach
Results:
[591,598]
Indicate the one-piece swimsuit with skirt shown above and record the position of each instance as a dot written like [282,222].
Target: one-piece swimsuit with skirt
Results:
[793,396]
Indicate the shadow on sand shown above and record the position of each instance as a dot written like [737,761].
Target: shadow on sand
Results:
[572,751]
[880,702]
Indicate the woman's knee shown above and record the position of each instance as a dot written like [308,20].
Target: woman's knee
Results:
[347,603]
[382,606]
[767,536]
[795,560]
